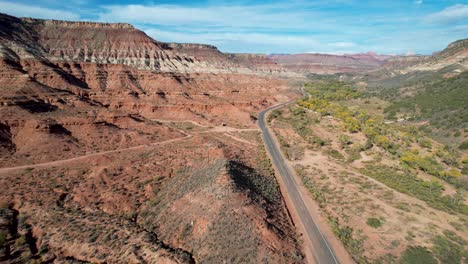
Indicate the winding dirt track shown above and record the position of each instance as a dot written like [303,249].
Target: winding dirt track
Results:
[186,136]
[61,162]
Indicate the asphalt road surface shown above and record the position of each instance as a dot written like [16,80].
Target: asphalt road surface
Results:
[321,250]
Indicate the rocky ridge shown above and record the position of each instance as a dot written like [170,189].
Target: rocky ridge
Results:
[104,43]
[328,63]
[454,56]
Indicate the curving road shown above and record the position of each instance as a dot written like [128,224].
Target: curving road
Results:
[322,252]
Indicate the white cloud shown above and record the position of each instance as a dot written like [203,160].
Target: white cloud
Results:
[419,2]
[334,52]
[254,16]
[222,38]
[450,14]
[22,10]
[257,42]
[460,28]
[342,44]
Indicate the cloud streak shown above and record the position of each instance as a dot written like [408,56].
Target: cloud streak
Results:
[450,14]
[226,39]
[278,16]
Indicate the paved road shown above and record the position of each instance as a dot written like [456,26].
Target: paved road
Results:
[321,249]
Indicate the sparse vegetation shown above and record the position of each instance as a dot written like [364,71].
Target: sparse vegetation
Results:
[21,241]
[345,234]
[440,100]
[374,222]
[3,237]
[428,191]
[463,145]
[317,193]
[417,255]
[335,154]
[449,248]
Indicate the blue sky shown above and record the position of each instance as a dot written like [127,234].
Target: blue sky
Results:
[333,26]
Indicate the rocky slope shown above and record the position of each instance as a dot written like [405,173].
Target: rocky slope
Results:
[456,54]
[114,183]
[454,58]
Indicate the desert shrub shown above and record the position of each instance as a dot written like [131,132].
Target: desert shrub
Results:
[452,173]
[344,140]
[93,237]
[463,145]
[464,163]
[417,255]
[21,240]
[3,238]
[273,115]
[454,237]
[186,231]
[448,155]
[353,153]
[4,205]
[425,143]
[382,141]
[301,123]
[387,259]
[318,142]
[345,234]
[448,251]
[317,193]
[425,163]
[334,154]
[374,222]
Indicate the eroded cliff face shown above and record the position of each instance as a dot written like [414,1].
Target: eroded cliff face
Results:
[102,43]
[118,66]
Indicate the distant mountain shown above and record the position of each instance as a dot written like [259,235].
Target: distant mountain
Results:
[454,56]
[328,64]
